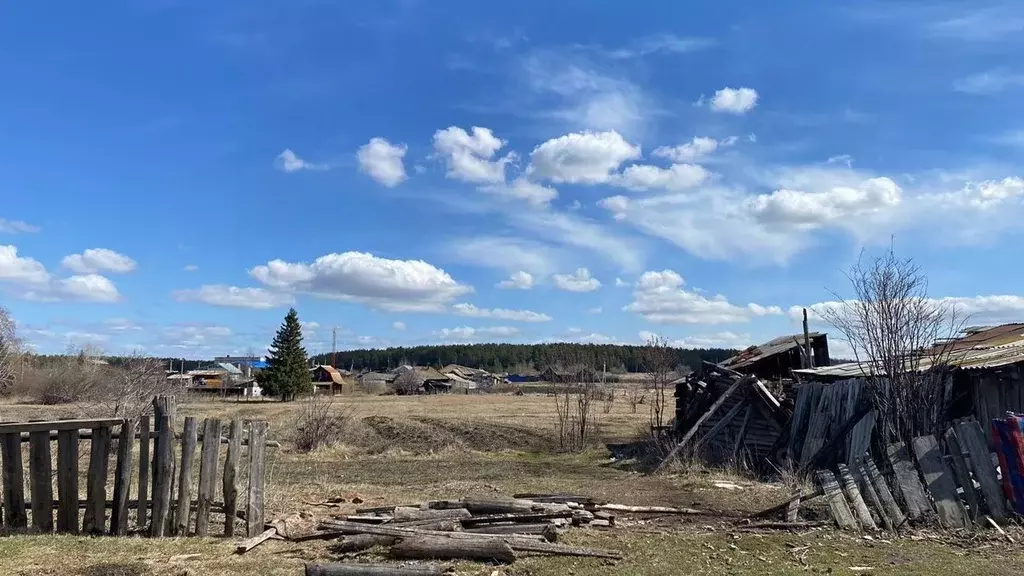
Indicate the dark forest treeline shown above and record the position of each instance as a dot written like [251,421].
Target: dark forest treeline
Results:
[516,357]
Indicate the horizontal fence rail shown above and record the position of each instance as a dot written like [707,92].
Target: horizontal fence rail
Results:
[168,500]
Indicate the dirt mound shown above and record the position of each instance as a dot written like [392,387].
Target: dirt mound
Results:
[426,435]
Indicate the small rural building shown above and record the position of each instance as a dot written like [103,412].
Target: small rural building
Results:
[460,385]
[777,358]
[428,380]
[329,380]
[477,375]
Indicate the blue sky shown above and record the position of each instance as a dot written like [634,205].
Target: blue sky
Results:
[176,174]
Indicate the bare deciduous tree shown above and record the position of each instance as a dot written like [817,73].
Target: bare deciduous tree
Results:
[408,382]
[636,393]
[129,388]
[904,338]
[576,396]
[660,362]
[10,350]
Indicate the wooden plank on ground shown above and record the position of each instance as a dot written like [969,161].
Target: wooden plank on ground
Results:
[855,498]
[230,476]
[183,509]
[974,444]
[696,425]
[892,509]
[836,502]
[963,474]
[47,426]
[144,431]
[940,482]
[207,474]
[867,489]
[908,482]
[67,481]
[41,480]
[122,479]
[164,409]
[257,464]
[95,516]
[14,482]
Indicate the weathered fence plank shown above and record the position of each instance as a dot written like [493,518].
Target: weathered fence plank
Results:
[207,474]
[230,476]
[867,489]
[14,482]
[48,426]
[836,502]
[164,409]
[257,462]
[96,483]
[979,460]
[908,481]
[40,483]
[188,453]
[144,431]
[122,479]
[963,474]
[855,498]
[892,510]
[67,481]
[940,482]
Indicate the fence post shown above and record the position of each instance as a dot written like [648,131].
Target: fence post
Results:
[144,431]
[164,408]
[230,476]
[67,481]
[257,461]
[14,482]
[41,472]
[122,479]
[96,484]
[207,474]
[188,452]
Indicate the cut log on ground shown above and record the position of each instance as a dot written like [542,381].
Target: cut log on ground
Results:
[368,519]
[370,570]
[804,496]
[784,525]
[503,518]
[250,543]
[650,509]
[360,542]
[441,524]
[556,498]
[430,548]
[406,514]
[486,506]
[560,550]
[548,531]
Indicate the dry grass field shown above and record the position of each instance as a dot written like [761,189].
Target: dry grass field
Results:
[398,449]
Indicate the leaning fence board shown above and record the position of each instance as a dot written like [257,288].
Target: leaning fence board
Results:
[892,510]
[940,482]
[67,481]
[122,479]
[963,474]
[257,461]
[855,498]
[230,477]
[836,502]
[188,452]
[144,430]
[96,483]
[973,441]
[14,482]
[867,489]
[164,408]
[909,483]
[40,482]
[207,474]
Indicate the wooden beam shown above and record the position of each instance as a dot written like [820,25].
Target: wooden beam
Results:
[257,466]
[855,498]
[963,474]
[908,481]
[836,502]
[122,480]
[230,482]
[183,510]
[721,424]
[95,519]
[67,481]
[57,425]
[207,475]
[164,408]
[872,475]
[144,465]
[940,482]
[14,482]
[40,481]
[973,442]
[696,425]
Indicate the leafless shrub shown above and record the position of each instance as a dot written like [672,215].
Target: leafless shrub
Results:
[636,394]
[69,379]
[904,339]
[129,388]
[660,362]
[319,424]
[575,399]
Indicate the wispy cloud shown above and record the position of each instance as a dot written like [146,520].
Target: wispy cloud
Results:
[653,44]
[990,82]
[17,227]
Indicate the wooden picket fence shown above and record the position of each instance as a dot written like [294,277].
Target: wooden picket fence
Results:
[164,476]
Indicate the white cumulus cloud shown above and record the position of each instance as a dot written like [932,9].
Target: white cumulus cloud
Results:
[676,177]
[288,161]
[20,269]
[86,288]
[518,280]
[734,100]
[579,281]
[469,155]
[95,260]
[817,208]
[395,285]
[471,311]
[582,157]
[382,161]
[234,297]
[523,189]
[661,298]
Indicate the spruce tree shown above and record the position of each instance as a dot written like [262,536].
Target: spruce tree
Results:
[286,374]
